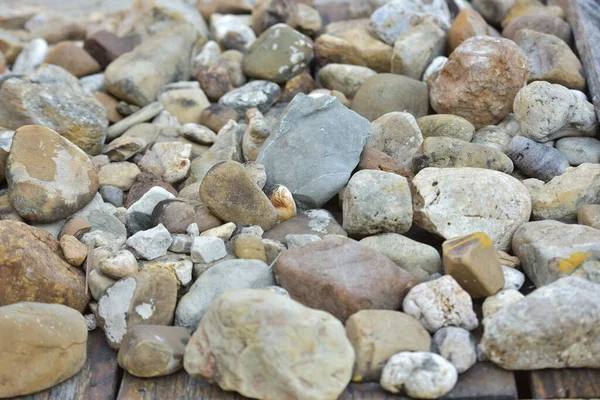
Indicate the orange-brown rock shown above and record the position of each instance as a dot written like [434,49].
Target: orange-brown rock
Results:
[110,105]
[72,58]
[468,23]
[531,7]
[372,158]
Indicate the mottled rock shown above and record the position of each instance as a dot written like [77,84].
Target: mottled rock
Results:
[256,94]
[185,103]
[151,243]
[143,183]
[231,31]
[579,150]
[456,345]
[446,125]
[416,48]
[180,266]
[344,78]
[589,215]
[311,222]
[397,135]
[467,24]
[119,174]
[119,265]
[493,136]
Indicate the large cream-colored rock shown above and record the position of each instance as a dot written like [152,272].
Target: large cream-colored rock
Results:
[264,345]
[452,202]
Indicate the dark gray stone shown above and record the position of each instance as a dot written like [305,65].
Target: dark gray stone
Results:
[536,160]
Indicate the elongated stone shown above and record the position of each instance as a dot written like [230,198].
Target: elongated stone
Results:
[536,160]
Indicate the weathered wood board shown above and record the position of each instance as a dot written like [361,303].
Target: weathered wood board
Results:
[565,384]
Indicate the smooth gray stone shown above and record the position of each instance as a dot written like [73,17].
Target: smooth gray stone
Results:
[579,150]
[315,148]
[112,195]
[255,94]
[142,115]
[536,160]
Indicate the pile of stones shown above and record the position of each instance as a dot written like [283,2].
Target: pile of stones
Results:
[281,203]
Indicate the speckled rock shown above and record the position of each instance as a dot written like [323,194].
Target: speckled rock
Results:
[344,78]
[311,222]
[416,48]
[397,135]
[498,301]
[446,125]
[579,150]
[256,94]
[535,159]
[456,345]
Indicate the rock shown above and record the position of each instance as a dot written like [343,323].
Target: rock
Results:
[76,226]
[433,70]
[440,303]
[146,298]
[216,116]
[302,83]
[55,28]
[137,76]
[386,93]
[531,7]
[249,247]
[445,152]
[254,138]
[472,261]
[416,48]
[140,215]
[73,250]
[452,202]
[173,159]
[377,202]
[49,178]
[536,160]
[420,375]
[267,13]
[107,231]
[308,20]
[222,232]
[231,32]
[106,47]
[394,18]
[493,136]
[565,336]
[397,135]
[151,243]
[513,278]
[132,124]
[547,112]
[152,350]
[339,276]
[256,94]
[207,249]
[119,174]
[110,106]
[550,250]
[283,200]
[374,159]
[589,215]
[3,158]
[123,148]
[354,46]
[34,271]
[312,222]
[494,10]
[47,340]
[468,23]
[500,300]
[176,215]
[314,135]
[561,198]
[98,282]
[344,78]
[294,241]
[143,183]
[31,57]
[579,150]
[84,122]
[496,64]
[198,134]
[120,265]
[446,125]
[181,243]
[185,104]
[180,266]
[279,54]
[376,335]
[73,58]
[540,23]
[222,277]
[456,345]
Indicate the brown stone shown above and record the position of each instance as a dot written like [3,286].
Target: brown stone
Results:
[310,222]
[124,147]
[531,7]
[110,105]
[589,215]
[216,116]
[75,252]
[7,211]
[3,158]
[303,83]
[31,269]
[267,13]
[42,345]
[75,226]
[10,46]
[72,58]
[468,23]
[249,247]
[177,215]
[215,81]
[540,23]
[149,351]
[105,47]
[372,158]
[144,182]
[473,262]
[56,28]
[376,335]
[480,80]
[342,277]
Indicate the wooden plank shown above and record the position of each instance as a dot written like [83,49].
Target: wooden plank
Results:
[565,384]
[485,381]
[98,379]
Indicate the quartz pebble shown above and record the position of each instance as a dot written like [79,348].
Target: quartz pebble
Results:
[207,249]
[500,300]
[151,243]
[456,345]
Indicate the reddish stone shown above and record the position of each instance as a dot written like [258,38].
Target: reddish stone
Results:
[106,47]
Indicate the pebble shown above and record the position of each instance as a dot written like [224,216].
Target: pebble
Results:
[180,266]
[493,136]
[144,114]
[456,345]
[397,135]
[494,10]
[232,32]
[498,301]
[440,303]
[173,158]
[328,139]
[184,103]
[536,160]
[267,13]
[143,184]
[579,150]
[31,57]
[74,251]
[344,78]
[416,48]
[421,375]
[283,200]
[49,177]
[433,70]
[181,243]
[377,202]
[374,159]
[313,338]
[224,276]
[112,195]
[340,276]
[446,125]
[118,174]
[223,232]
[51,340]
[256,94]
[452,202]
[123,148]
[294,241]
[119,265]
[98,282]
[532,7]
[377,335]
[150,351]
[541,23]
[110,106]
[76,226]
[249,247]
[105,47]
[151,243]
[560,339]
[308,20]
[496,64]
[311,222]
[467,24]
[254,138]
[301,83]
[198,134]
[589,215]
[513,278]
[206,249]
[73,58]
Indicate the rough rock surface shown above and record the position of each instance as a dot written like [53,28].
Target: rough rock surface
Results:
[309,222]
[456,345]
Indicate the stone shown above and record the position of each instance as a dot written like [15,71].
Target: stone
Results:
[355,46]
[536,160]
[254,137]
[72,58]
[547,111]
[539,23]
[494,10]
[395,17]
[151,243]
[98,282]
[49,177]
[283,200]
[550,250]
[123,148]
[386,93]
[308,20]
[344,78]
[467,24]
[579,150]
[206,249]
[231,32]
[180,266]
[33,269]
[137,76]
[74,251]
[531,7]
[397,135]
[222,232]
[48,341]
[446,125]
[493,136]
[589,215]
[561,332]
[421,375]
[181,243]
[440,303]
[106,47]
[304,138]
[433,70]
[312,222]
[146,298]
[279,54]
[500,300]
[377,202]
[185,103]
[110,106]
[31,57]
[513,278]
[223,277]
[374,159]
[119,174]
[216,116]
[107,231]
[173,159]
[446,152]
[294,241]
[256,94]
[249,247]
[561,198]
[231,195]
[301,83]
[376,335]
[143,183]
[338,275]
[267,13]
[84,122]
[176,215]
[76,226]
[3,158]
[480,80]
[132,125]
[456,345]
[140,215]
[472,261]
[452,202]
[198,134]
[119,265]
[416,47]
[10,46]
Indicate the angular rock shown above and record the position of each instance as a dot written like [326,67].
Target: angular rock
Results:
[106,47]
[207,249]
[143,183]
[151,243]
[256,94]
[416,48]
[456,345]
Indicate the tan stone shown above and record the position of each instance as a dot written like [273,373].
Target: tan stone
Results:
[119,174]
[468,23]
[10,46]
[507,260]
[75,252]
[372,158]
[446,125]
[75,226]
[185,104]
[72,58]
[249,247]
[531,7]
[110,105]
[7,211]
[416,48]
[473,262]
[589,215]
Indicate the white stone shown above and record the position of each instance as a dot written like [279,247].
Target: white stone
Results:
[435,66]
[513,278]
[293,241]
[222,232]
[181,243]
[207,249]
[151,243]
[113,307]
[193,230]
[149,200]
[225,27]
[119,265]
[579,150]
[498,301]
[456,345]
[31,57]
